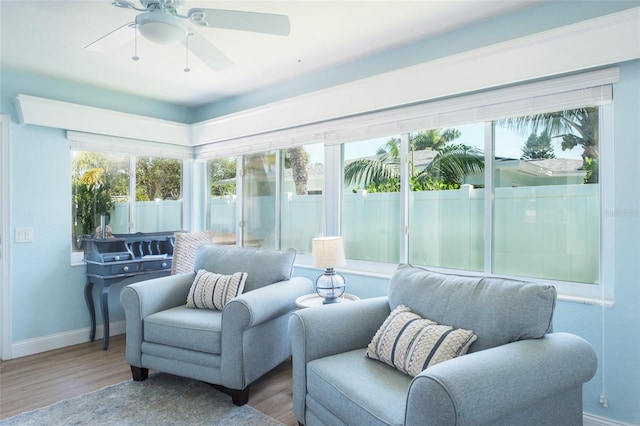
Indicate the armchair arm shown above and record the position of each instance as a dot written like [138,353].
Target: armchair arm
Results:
[326,330]
[254,329]
[264,303]
[330,329]
[144,298]
[483,386]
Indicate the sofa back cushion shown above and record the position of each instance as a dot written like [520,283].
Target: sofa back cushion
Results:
[263,267]
[497,310]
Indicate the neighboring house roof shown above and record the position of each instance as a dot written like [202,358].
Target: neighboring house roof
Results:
[543,167]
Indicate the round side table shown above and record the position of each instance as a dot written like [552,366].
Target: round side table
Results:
[309,300]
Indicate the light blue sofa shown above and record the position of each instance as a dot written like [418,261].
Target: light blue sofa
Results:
[230,348]
[518,372]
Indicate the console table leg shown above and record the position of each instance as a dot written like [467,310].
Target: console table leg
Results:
[88,297]
[104,304]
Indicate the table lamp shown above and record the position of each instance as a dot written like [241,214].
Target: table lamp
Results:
[328,252]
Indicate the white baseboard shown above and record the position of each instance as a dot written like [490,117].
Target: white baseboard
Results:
[61,340]
[593,420]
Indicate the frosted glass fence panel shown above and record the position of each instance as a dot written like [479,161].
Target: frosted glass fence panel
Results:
[151,216]
[548,232]
[223,214]
[543,231]
[301,221]
[447,228]
[371,226]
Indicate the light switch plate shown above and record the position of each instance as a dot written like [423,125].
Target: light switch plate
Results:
[24,235]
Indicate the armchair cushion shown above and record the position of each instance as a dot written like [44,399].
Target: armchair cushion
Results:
[213,291]
[361,391]
[411,343]
[498,310]
[263,267]
[181,327]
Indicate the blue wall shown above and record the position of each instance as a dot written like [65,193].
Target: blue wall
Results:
[47,292]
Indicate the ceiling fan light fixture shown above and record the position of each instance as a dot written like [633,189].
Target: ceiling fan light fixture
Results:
[161,27]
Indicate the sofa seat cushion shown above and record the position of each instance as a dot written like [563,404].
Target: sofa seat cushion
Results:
[196,329]
[370,392]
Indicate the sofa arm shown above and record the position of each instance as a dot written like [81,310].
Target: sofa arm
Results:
[144,298]
[483,386]
[326,330]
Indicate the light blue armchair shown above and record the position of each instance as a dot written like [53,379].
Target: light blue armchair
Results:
[230,348]
[517,372]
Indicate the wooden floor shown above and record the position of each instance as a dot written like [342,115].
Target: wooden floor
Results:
[39,380]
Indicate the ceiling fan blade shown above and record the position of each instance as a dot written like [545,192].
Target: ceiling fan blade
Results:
[207,52]
[239,20]
[114,39]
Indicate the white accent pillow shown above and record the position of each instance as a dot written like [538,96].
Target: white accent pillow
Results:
[411,343]
[213,291]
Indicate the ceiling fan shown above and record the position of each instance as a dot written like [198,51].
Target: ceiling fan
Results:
[162,23]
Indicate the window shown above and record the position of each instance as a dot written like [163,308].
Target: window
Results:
[301,216]
[158,204]
[102,184]
[446,208]
[371,200]
[546,196]
[222,203]
[259,199]
[544,183]
[503,182]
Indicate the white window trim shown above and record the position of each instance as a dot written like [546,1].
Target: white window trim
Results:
[528,98]
[81,141]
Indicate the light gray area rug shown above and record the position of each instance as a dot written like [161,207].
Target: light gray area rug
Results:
[162,399]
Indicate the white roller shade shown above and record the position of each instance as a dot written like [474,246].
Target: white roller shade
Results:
[585,89]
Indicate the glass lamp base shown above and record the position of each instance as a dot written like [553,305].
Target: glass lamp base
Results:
[331,286]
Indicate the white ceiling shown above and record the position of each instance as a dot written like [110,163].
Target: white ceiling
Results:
[49,38]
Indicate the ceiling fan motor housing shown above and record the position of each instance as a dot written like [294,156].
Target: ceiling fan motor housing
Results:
[161,4]
[161,27]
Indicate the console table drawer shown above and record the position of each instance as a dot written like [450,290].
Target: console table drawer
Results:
[156,265]
[122,268]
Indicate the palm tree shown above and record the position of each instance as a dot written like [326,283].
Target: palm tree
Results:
[451,164]
[575,126]
[435,139]
[298,160]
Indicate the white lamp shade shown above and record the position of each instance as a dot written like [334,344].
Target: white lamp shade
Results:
[328,252]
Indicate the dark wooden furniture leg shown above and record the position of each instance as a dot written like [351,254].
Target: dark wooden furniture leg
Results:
[239,396]
[104,306]
[88,297]
[139,374]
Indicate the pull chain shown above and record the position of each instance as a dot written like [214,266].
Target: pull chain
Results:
[135,56]
[186,43]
